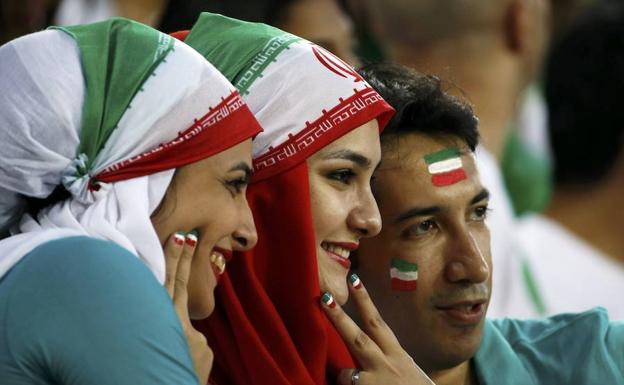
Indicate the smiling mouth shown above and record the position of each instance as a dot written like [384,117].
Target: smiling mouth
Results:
[340,252]
[218,261]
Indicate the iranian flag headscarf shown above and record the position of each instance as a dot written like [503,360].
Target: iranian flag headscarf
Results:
[108,111]
[268,327]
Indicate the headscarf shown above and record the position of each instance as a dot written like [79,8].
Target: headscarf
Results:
[267,327]
[108,110]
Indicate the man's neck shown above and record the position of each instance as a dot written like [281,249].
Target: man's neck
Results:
[462,374]
[488,78]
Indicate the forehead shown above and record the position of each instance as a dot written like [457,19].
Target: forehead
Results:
[422,170]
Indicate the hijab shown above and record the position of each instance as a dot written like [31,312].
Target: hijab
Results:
[267,327]
[108,111]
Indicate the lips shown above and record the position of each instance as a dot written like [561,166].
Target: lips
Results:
[340,251]
[218,260]
[464,313]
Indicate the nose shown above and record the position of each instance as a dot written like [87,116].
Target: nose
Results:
[364,217]
[245,236]
[466,262]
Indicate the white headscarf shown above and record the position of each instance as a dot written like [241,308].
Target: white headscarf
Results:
[41,110]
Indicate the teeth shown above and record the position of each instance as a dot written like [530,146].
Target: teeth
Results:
[218,260]
[341,251]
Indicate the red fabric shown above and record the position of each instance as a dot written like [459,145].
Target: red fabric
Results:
[209,135]
[268,327]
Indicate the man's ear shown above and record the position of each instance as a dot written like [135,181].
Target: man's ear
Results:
[516,26]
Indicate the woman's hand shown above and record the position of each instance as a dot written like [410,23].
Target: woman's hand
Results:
[376,348]
[179,251]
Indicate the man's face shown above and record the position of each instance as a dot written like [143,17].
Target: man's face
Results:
[433,209]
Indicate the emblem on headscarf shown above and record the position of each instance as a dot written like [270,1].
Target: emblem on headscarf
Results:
[334,64]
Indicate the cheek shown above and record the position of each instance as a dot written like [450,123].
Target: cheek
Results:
[328,211]
[201,287]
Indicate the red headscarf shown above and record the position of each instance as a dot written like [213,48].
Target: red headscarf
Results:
[267,327]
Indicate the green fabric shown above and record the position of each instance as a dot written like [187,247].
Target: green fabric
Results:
[583,348]
[259,45]
[84,311]
[113,74]
[527,176]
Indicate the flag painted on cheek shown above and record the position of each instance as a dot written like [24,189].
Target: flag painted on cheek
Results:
[446,167]
[403,274]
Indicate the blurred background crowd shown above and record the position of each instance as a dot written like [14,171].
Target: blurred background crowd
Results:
[545,78]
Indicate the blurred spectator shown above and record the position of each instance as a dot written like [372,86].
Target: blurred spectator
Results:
[19,17]
[323,22]
[492,49]
[584,88]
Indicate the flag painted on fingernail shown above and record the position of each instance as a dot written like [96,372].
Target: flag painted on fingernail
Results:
[403,275]
[328,300]
[446,167]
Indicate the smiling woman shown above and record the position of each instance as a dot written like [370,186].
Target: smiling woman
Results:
[312,202]
[95,120]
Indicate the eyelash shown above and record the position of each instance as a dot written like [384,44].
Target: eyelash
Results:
[412,230]
[237,185]
[484,212]
[344,175]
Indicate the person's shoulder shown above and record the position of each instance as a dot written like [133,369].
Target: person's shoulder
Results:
[73,256]
[532,331]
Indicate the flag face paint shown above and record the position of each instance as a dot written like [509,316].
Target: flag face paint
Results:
[446,167]
[403,275]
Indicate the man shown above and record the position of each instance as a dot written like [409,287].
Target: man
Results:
[430,269]
[492,49]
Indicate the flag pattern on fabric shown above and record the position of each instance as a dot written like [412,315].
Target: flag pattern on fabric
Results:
[446,167]
[404,275]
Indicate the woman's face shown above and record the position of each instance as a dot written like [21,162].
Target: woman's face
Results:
[343,207]
[209,196]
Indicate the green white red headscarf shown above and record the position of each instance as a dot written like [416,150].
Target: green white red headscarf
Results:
[267,327]
[108,110]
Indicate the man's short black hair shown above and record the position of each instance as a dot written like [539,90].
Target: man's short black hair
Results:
[584,93]
[421,104]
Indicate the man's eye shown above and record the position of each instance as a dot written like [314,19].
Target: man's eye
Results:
[480,213]
[344,176]
[421,228]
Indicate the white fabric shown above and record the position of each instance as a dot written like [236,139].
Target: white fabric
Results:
[571,275]
[72,12]
[297,68]
[510,296]
[42,72]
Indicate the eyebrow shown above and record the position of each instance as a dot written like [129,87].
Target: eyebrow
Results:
[353,156]
[430,210]
[483,194]
[243,166]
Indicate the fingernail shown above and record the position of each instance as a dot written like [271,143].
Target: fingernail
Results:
[355,281]
[178,238]
[191,238]
[328,300]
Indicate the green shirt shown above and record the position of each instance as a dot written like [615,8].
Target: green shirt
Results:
[567,349]
[83,311]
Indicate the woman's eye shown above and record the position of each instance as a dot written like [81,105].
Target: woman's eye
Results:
[237,185]
[344,176]
[479,213]
[420,228]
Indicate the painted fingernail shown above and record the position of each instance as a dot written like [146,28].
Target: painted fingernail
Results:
[328,300]
[191,238]
[355,281]
[178,238]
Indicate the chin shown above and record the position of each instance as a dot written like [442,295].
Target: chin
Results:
[200,311]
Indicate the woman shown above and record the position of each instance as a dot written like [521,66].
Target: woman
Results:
[312,203]
[122,148]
